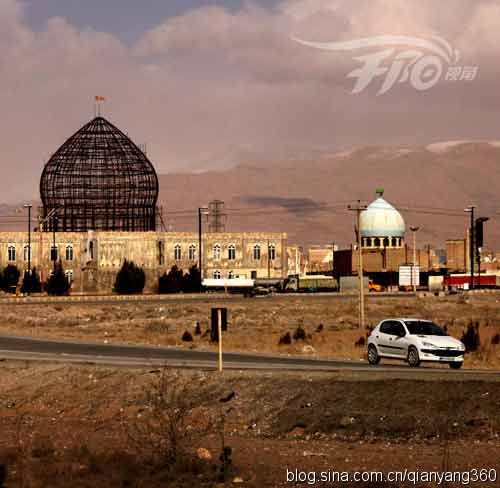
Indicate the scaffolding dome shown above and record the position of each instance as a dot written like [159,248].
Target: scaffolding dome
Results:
[99,180]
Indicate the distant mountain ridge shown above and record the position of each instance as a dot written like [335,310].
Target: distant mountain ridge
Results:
[307,198]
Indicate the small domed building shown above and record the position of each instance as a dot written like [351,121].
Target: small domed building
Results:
[382,226]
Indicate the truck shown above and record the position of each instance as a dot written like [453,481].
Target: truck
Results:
[311,283]
[351,283]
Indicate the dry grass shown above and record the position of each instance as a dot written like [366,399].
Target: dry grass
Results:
[63,426]
[256,325]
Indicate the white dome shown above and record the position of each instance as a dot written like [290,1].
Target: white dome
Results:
[381,219]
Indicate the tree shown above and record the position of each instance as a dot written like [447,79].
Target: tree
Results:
[173,282]
[192,280]
[58,283]
[10,278]
[31,282]
[130,279]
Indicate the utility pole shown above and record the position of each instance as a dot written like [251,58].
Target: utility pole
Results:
[358,208]
[28,206]
[472,254]
[201,211]
[54,248]
[414,229]
[479,235]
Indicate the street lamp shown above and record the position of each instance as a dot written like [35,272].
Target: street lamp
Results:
[414,229]
[201,211]
[29,206]
[472,253]
[479,243]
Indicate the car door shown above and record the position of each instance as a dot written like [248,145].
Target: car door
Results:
[399,340]
[385,338]
[390,342]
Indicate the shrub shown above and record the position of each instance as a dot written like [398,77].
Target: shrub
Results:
[471,338]
[192,280]
[299,334]
[166,431]
[285,339]
[197,329]
[495,340]
[58,283]
[187,337]
[130,279]
[31,282]
[173,282]
[10,278]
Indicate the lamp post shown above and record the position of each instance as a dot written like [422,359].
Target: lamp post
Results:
[358,209]
[414,229]
[54,248]
[29,206]
[472,253]
[479,244]
[201,211]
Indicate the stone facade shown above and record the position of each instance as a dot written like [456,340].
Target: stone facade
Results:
[92,259]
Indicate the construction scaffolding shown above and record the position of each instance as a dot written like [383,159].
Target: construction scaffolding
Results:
[216,216]
[99,180]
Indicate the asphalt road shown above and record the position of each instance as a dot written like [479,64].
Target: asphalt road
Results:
[23,348]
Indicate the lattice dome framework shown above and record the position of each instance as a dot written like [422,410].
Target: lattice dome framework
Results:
[99,180]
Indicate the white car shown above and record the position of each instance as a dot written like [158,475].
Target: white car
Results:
[414,341]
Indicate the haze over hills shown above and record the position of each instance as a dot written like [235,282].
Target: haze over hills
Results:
[307,198]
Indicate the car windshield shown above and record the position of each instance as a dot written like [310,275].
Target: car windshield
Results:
[420,327]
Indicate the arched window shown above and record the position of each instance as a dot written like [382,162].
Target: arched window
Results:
[272,252]
[231,252]
[386,242]
[27,253]
[53,253]
[12,253]
[216,252]
[256,252]
[217,275]
[230,275]
[376,242]
[177,252]
[394,242]
[69,252]
[192,252]
[69,275]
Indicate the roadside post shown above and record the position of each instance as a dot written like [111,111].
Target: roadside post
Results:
[219,331]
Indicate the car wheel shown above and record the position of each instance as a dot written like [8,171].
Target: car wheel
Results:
[456,365]
[413,357]
[373,357]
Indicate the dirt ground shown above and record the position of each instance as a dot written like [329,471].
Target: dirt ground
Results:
[256,324]
[70,426]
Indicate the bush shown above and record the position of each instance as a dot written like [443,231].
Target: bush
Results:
[31,282]
[173,282]
[471,338]
[192,280]
[58,284]
[495,340]
[130,279]
[187,337]
[299,334]
[285,339]
[9,278]
[197,329]
[166,431]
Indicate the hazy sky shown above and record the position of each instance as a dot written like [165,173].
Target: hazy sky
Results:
[208,82]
